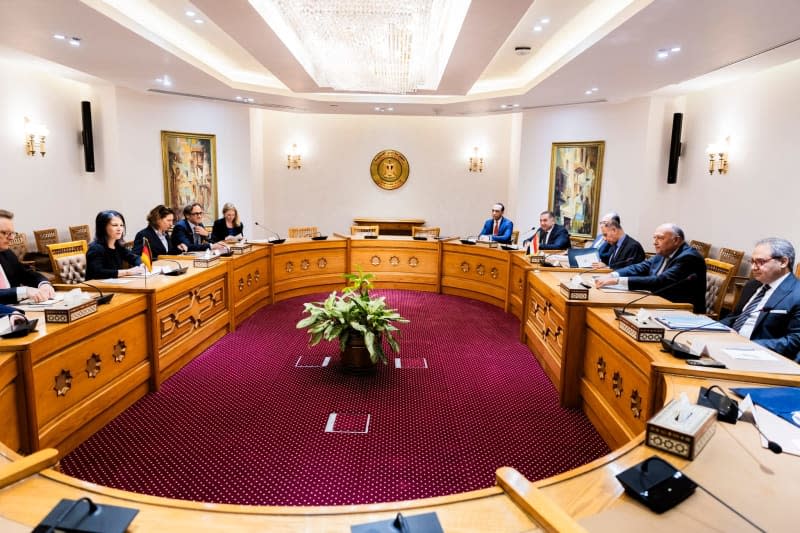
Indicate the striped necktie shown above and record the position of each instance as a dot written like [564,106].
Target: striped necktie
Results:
[747,311]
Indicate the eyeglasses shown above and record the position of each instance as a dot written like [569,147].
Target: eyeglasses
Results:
[9,234]
[195,213]
[760,262]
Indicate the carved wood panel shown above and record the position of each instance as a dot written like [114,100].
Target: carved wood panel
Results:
[185,314]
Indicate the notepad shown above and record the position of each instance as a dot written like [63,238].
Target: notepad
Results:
[689,321]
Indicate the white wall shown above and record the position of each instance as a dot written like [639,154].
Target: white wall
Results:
[334,184]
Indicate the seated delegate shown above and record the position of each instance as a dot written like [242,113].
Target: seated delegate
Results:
[768,311]
[677,270]
[107,253]
[159,222]
[621,249]
[189,235]
[552,236]
[229,227]
[17,281]
[498,228]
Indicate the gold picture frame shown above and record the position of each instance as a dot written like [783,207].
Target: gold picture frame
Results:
[576,170]
[190,172]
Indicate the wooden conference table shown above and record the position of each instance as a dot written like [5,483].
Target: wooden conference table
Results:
[162,324]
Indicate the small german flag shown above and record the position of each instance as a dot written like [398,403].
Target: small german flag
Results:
[147,255]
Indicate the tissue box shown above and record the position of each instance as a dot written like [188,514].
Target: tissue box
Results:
[205,262]
[66,313]
[574,292]
[684,438]
[648,331]
[239,249]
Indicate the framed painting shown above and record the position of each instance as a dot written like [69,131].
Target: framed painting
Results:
[576,169]
[190,172]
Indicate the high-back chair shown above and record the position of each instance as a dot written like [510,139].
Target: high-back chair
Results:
[80,233]
[69,261]
[423,231]
[718,277]
[734,257]
[298,232]
[45,237]
[364,230]
[703,247]
[19,245]
[515,237]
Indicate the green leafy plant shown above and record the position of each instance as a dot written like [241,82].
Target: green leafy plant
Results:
[353,312]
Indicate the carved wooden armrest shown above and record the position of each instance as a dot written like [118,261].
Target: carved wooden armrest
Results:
[22,468]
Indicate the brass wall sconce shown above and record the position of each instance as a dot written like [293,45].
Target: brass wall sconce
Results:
[35,136]
[293,159]
[476,161]
[718,157]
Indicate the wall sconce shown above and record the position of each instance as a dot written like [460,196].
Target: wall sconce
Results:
[293,158]
[35,135]
[718,157]
[476,161]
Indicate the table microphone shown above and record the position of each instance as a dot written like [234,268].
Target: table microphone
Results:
[276,240]
[680,350]
[620,312]
[179,271]
[103,298]
[592,269]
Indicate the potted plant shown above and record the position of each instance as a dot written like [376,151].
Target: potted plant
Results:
[358,321]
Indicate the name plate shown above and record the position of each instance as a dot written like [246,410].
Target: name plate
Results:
[681,430]
[574,292]
[648,331]
[205,262]
[239,249]
[536,259]
[70,313]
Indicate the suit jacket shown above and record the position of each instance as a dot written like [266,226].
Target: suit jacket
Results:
[156,247]
[685,262]
[559,238]
[18,275]
[778,324]
[220,230]
[102,262]
[503,232]
[629,252]
[182,234]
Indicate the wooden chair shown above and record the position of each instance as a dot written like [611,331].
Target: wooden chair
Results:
[69,261]
[364,230]
[44,238]
[718,277]
[19,245]
[703,247]
[422,231]
[80,233]
[298,232]
[515,236]
[734,257]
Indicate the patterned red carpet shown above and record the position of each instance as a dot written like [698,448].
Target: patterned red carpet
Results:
[250,420]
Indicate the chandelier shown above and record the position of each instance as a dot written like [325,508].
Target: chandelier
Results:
[382,46]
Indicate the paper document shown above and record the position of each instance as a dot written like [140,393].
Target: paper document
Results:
[752,354]
[684,321]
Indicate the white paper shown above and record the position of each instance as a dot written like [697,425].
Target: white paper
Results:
[777,430]
[748,354]
[586,260]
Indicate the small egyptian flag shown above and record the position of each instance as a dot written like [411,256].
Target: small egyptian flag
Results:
[535,244]
[147,255]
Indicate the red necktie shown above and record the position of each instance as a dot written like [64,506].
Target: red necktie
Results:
[496,227]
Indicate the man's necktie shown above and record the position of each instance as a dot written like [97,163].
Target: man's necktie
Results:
[546,237]
[496,227]
[747,311]
[196,236]
[614,251]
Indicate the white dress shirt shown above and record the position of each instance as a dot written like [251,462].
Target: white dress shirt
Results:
[747,328]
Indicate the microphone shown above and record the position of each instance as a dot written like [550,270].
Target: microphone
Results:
[586,271]
[529,233]
[93,508]
[276,240]
[103,298]
[730,410]
[680,350]
[177,272]
[773,446]
[471,239]
[620,312]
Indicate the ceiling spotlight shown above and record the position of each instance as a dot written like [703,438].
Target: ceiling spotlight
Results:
[59,37]
[377,109]
[675,49]
[545,20]
[389,109]
[198,21]
[75,41]
[503,106]
[522,50]
[249,100]
[594,89]
[588,92]
[662,54]
[239,98]
[190,13]
[537,28]
[515,105]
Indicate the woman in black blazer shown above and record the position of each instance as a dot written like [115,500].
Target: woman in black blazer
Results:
[107,253]
[159,222]
[229,227]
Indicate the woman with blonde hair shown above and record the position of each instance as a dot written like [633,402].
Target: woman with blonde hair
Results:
[229,227]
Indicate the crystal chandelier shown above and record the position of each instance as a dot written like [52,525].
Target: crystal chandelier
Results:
[383,46]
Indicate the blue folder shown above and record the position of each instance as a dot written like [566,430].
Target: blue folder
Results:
[781,401]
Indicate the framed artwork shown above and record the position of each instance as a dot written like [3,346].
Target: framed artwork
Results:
[576,169]
[190,172]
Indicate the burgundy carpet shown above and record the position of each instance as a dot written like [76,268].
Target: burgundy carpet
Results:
[250,420]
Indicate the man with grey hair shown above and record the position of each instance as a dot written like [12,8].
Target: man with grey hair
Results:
[677,270]
[599,242]
[17,281]
[768,311]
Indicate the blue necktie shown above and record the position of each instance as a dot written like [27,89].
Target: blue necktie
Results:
[747,311]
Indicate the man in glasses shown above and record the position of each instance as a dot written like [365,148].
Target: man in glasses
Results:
[17,281]
[189,235]
[768,311]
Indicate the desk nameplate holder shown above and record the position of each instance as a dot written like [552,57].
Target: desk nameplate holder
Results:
[64,314]
[573,292]
[205,262]
[641,330]
[537,259]
[239,249]
[681,430]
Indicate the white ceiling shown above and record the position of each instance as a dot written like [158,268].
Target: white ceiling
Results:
[609,45]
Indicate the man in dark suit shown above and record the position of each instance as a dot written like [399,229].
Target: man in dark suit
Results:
[552,236]
[189,235]
[498,228]
[768,311]
[675,263]
[17,281]
[621,249]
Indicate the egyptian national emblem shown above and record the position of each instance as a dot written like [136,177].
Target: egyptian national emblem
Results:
[389,169]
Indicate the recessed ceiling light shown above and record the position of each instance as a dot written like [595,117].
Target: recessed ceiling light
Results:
[537,28]
[75,41]
[59,37]
[190,13]
[239,98]
[588,92]
[249,100]
[675,49]
[594,89]
[545,20]
[662,54]
[389,109]
[377,109]
[515,105]
[198,21]
[165,81]
[503,106]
